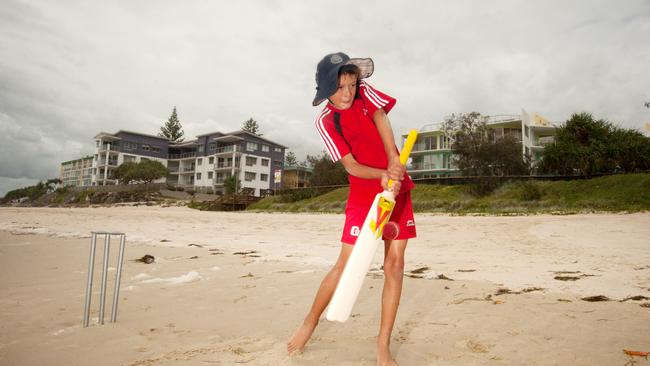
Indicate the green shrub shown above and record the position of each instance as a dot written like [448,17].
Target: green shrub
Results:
[530,191]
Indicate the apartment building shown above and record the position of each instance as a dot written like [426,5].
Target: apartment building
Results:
[296,176]
[77,173]
[432,155]
[201,164]
[125,146]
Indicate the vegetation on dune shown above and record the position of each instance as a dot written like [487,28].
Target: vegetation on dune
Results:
[616,193]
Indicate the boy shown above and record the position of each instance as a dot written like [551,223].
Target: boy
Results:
[356,130]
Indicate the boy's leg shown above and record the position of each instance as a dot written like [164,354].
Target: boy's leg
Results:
[322,299]
[393,279]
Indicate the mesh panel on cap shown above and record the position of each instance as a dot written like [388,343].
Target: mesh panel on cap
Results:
[365,65]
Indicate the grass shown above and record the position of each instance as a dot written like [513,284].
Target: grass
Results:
[616,193]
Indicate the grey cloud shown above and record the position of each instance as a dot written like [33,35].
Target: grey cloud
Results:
[70,70]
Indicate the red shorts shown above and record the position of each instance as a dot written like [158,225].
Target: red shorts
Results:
[355,215]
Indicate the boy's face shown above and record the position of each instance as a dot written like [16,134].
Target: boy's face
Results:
[345,93]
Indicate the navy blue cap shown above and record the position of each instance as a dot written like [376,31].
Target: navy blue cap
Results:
[327,73]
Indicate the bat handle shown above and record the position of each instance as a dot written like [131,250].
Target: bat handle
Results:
[406,151]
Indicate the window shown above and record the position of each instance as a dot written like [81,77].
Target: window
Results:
[155,149]
[146,147]
[265,148]
[199,161]
[249,176]
[212,147]
[211,160]
[277,163]
[198,176]
[209,175]
[129,158]
[277,149]
[430,142]
[201,147]
[264,177]
[265,162]
[129,145]
[250,161]
[251,146]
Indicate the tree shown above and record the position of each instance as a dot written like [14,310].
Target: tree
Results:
[232,184]
[145,171]
[150,170]
[290,159]
[125,173]
[31,192]
[250,125]
[325,171]
[172,129]
[589,146]
[477,152]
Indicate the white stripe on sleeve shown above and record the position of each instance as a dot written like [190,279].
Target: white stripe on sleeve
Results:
[372,91]
[324,135]
[371,98]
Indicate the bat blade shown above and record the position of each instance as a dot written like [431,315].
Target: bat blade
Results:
[351,280]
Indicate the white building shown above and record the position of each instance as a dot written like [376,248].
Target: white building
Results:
[432,155]
[202,164]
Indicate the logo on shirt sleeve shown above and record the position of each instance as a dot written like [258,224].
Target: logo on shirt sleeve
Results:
[354,231]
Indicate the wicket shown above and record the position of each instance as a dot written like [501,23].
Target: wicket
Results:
[91,268]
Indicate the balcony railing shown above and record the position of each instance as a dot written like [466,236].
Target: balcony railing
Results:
[225,166]
[182,156]
[423,147]
[426,166]
[225,149]
[546,140]
[111,163]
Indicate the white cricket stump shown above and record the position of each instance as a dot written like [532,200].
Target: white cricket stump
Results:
[91,268]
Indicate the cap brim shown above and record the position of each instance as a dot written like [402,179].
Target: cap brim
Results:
[366,65]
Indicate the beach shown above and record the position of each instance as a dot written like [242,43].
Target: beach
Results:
[229,288]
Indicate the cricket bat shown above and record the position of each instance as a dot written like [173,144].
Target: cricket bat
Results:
[355,270]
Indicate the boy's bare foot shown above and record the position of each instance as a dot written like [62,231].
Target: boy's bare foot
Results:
[300,337]
[384,358]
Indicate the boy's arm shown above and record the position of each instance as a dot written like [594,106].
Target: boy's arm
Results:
[395,169]
[353,167]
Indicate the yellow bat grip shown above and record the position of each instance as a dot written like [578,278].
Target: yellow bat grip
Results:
[406,151]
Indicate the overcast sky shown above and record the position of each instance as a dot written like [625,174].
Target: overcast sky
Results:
[69,70]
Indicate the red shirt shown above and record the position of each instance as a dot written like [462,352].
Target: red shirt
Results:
[360,138]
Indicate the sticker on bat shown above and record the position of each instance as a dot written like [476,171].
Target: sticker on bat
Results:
[384,208]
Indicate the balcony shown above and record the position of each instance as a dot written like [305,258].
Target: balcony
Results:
[225,166]
[188,155]
[226,150]
[425,166]
[421,148]
[546,140]
[111,163]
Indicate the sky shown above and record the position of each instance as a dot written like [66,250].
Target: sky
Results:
[72,69]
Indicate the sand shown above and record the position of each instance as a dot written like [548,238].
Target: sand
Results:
[205,301]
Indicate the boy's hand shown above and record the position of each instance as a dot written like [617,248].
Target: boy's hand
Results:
[397,184]
[395,169]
